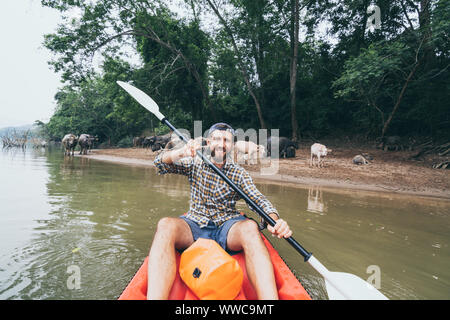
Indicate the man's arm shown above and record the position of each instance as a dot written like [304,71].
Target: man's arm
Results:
[249,188]
[188,150]
[172,156]
[178,161]
[281,228]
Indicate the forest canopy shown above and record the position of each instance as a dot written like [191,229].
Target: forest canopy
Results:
[309,68]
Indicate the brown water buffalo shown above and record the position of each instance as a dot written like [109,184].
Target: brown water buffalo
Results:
[86,141]
[69,142]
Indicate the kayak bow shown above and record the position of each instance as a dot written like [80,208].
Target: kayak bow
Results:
[288,286]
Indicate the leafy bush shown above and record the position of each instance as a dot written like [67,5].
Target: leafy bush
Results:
[126,142]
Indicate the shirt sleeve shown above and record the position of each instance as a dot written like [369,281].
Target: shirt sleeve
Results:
[255,195]
[182,166]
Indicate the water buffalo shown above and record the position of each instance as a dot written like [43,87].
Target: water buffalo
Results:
[69,142]
[286,147]
[396,143]
[157,142]
[138,142]
[248,151]
[360,159]
[86,141]
[391,143]
[176,142]
[319,151]
[147,141]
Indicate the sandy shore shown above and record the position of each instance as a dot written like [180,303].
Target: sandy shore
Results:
[388,172]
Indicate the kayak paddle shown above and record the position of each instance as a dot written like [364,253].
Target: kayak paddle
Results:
[339,285]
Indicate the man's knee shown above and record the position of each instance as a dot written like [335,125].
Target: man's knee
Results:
[166,224]
[166,227]
[248,229]
[173,230]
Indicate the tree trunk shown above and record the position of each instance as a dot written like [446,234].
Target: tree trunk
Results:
[361,31]
[293,69]
[258,54]
[241,66]
[399,99]
[424,21]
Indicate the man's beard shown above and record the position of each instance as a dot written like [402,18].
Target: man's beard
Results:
[219,159]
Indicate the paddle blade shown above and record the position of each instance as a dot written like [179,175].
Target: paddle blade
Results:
[143,99]
[346,286]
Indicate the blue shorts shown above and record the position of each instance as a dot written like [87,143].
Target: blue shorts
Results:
[211,231]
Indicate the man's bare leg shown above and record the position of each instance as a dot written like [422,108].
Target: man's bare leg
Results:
[245,235]
[171,233]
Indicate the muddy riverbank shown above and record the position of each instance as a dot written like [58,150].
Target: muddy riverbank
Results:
[387,172]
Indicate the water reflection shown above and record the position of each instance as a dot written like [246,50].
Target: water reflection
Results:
[315,200]
[107,213]
[64,211]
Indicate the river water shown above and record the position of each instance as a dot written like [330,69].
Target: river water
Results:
[76,228]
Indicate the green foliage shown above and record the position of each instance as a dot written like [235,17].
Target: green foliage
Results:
[126,142]
[348,81]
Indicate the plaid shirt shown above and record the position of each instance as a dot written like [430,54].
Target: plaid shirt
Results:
[211,197]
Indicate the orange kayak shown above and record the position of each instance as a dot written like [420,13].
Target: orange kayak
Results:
[289,288]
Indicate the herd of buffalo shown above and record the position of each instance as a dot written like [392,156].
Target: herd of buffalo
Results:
[286,146]
[85,141]
[245,151]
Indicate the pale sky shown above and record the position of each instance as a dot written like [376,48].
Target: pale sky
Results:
[27,84]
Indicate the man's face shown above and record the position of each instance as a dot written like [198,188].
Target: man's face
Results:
[220,143]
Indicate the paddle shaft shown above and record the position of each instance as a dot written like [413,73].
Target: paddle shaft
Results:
[306,255]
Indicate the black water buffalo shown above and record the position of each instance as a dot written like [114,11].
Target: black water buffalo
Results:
[174,143]
[148,141]
[286,147]
[157,142]
[86,141]
[69,142]
[138,142]
[396,143]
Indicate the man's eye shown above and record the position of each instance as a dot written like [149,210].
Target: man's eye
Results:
[220,139]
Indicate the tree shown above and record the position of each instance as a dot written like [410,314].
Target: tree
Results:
[380,75]
[107,25]
[249,65]
[293,68]
[240,61]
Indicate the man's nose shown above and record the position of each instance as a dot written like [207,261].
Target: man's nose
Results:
[220,143]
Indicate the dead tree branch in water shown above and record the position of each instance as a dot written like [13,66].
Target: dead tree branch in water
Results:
[14,139]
